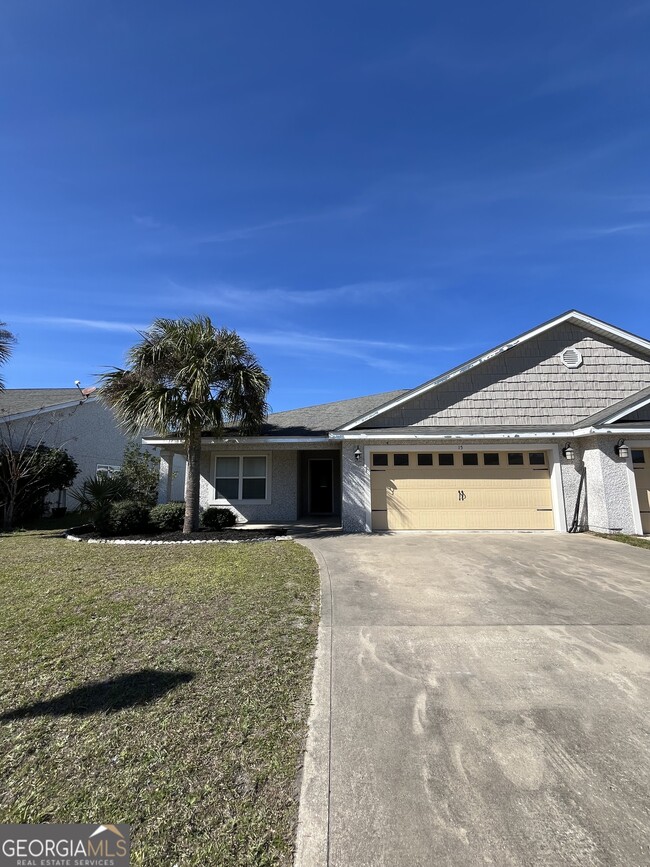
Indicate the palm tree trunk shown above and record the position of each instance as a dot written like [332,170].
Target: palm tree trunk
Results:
[192,488]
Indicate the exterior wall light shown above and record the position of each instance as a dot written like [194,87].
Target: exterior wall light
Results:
[357,454]
[621,449]
[567,452]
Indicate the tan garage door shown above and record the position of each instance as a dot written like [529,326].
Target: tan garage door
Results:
[641,464]
[461,491]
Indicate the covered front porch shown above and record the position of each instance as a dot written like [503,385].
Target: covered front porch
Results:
[263,482]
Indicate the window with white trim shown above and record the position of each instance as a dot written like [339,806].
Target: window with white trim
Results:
[240,477]
[106,469]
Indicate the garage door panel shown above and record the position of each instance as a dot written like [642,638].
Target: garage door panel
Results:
[642,479]
[476,497]
[473,519]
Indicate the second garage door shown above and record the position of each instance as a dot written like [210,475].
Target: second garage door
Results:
[461,491]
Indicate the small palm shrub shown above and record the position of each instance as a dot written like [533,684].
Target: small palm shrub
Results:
[217,518]
[122,518]
[96,493]
[167,517]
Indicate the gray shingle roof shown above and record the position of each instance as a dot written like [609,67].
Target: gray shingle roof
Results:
[15,400]
[325,417]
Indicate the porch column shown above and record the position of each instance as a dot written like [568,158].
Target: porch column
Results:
[166,476]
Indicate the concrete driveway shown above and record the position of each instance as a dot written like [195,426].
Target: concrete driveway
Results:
[479,699]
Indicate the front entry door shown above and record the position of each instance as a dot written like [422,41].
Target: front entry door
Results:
[321,486]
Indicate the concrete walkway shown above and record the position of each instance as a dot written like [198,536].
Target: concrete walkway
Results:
[479,699]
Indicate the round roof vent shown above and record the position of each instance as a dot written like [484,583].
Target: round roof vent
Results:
[571,358]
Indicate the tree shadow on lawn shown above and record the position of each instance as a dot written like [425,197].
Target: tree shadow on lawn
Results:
[108,696]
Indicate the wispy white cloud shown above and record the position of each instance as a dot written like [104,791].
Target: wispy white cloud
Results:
[240,233]
[146,222]
[229,297]
[380,354]
[89,324]
[605,231]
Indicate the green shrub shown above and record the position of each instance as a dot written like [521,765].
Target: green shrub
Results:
[216,518]
[139,474]
[167,517]
[96,493]
[122,518]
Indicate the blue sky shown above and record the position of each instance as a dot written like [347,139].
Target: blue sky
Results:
[370,192]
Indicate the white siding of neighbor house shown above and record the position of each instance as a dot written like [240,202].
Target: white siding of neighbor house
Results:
[530,385]
[89,433]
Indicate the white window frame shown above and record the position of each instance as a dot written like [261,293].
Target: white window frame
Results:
[107,470]
[222,501]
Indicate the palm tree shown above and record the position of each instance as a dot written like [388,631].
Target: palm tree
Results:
[7,340]
[184,377]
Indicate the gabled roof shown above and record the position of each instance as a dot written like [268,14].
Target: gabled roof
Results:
[603,329]
[19,401]
[324,417]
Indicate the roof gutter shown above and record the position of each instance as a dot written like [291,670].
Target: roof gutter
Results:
[55,407]
[232,440]
[504,435]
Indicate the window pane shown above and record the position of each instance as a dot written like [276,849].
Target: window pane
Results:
[515,459]
[491,459]
[401,460]
[445,460]
[227,489]
[470,459]
[425,460]
[637,456]
[254,467]
[380,460]
[254,489]
[537,459]
[228,468]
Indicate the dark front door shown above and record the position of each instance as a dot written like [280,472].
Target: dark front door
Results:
[321,486]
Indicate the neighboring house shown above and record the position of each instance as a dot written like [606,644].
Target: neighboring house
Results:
[72,420]
[548,431]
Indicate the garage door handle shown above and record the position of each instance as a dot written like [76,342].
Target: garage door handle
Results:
[462,495]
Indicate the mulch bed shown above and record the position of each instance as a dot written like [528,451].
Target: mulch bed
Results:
[231,535]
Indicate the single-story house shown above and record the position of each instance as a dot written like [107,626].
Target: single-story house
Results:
[74,420]
[549,431]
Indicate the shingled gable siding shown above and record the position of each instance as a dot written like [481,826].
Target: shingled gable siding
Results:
[529,385]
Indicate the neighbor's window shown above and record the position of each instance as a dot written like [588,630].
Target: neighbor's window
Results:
[106,469]
[537,459]
[425,460]
[401,460]
[491,459]
[638,457]
[241,477]
[380,460]
[470,459]
[515,459]
[445,459]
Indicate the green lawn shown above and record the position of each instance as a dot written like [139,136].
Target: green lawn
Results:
[637,541]
[196,743]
